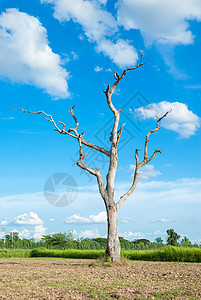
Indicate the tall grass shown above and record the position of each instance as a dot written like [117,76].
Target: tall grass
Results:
[168,253]
[5,253]
[69,253]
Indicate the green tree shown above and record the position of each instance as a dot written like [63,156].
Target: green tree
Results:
[186,242]
[57,240]
[159,240]
[173,237]
[143,241]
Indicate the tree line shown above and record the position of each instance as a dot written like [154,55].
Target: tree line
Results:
[66,241]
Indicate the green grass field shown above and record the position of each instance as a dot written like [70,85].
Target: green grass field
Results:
[169,253]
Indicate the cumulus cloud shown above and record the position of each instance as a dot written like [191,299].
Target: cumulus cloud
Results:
[147,171]
[39,232]
[121,53]
[180,120]
[100,218]
[98,26]
[159,21]
[96,22]
[90,234]
[25,233]
[25,56]
[24,219]
[76,219]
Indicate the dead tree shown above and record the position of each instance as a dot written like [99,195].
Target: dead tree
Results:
[107,192]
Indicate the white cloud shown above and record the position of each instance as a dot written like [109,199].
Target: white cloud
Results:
[181,119]
[23,197]
[167,165]
[132,235]
[25,56]
[125,220]
[74,55]
[90,234]
[51,220]
[76,219]
[160,21]
[193,86]
[24,219]
[25,233]
[161,221]
[96,22]
[7,118]
[39,232]
[98,69]
[121,53]
[147,171]
[181,191]
[100,218]
[159,232]
[102,2]
[98,26]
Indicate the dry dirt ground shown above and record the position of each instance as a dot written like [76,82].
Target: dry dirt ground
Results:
[87,279]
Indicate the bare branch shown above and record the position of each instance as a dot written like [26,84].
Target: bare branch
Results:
[136,156]
[134,183]
[63,131]
[96,172]
[120,133]
[63,126]
[116,75]
[40,112]
[76,121]
[110,90]
[119,78]
[147,137]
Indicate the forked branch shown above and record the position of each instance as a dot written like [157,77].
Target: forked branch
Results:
[139,165]
[110,90]
[146,160]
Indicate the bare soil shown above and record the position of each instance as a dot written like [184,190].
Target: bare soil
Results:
[87,279]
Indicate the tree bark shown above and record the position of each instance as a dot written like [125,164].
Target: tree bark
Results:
[113,244]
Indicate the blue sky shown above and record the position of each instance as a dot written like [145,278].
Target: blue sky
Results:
[58,53]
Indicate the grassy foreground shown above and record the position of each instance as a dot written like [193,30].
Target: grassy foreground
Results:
[169,253]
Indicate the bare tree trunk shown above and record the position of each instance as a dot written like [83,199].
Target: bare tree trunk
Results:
[113,244]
